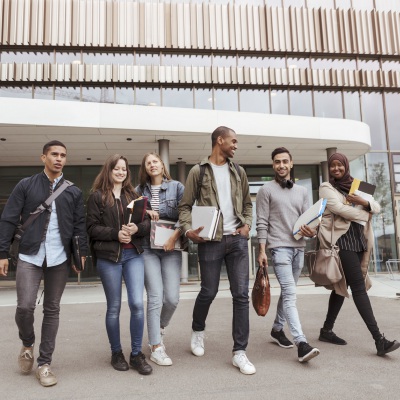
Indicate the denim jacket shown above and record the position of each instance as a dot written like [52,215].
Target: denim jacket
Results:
[170,195]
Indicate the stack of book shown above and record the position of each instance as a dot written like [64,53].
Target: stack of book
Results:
[207,217]
[312,218]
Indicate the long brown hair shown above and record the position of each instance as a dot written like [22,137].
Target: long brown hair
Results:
[144,176]
[105,183]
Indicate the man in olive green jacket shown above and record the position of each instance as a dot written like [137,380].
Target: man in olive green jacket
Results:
[225,186]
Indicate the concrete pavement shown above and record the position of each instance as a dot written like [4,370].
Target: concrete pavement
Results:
[82,358]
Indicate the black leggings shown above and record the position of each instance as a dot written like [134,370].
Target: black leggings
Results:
[351,263]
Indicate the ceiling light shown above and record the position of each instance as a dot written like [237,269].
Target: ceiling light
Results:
[152,104]
[88,158]
[3,139]
[259,147]
[128,139]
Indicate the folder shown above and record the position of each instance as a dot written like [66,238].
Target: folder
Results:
[207,217]
[362,187]
[137,210]
[312,217]
[160,232]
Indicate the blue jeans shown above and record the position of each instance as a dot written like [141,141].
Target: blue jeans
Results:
[131,268]
[288,263]
[162,276]
[233,249]
[28,281]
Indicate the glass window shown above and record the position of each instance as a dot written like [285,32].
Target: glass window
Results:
[300,103]
[98,94]
[107,58]
[328,104]
[203,98]
[67,93]
[124,95]
[325,63]
[352,105]
[43,92]
[147,59]
[68,58]
[357,168]
[274,3]
[254,101]
[372,112]
[261,62]
[226,99]
[392,101]
[320,3]
[294,3]
[21,92]
[147,97]
[391,65]
[344,4]
[297,63]
[369,65]
[19,57]
[186,60]
[172,97]
[383,223]
[387,5]
[363,4]
[224,61]
[279,102]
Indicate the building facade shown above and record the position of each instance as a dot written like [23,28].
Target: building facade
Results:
[126,76]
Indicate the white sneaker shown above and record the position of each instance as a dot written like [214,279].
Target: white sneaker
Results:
[241,361]
[197,343]
[160,357]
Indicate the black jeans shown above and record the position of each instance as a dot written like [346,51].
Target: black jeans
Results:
[351,263]
[28,281]
[232,249]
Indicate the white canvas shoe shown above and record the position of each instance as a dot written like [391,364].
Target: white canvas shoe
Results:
[197,343]
[241,361]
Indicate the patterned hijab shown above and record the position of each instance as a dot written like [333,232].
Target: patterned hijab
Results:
[345,182]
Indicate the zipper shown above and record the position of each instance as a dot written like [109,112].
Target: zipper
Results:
[119,224]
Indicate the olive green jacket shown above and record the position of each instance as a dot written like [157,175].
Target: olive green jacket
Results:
[209,196]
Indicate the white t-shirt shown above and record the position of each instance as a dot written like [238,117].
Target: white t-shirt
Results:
[223,181]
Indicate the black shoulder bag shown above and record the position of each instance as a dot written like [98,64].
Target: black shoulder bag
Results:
[20,230]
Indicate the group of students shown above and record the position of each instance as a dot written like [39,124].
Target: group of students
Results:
[121,250]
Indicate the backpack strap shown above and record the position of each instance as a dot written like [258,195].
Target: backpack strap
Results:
[201,176]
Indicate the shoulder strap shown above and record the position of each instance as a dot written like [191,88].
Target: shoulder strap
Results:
[237,168]
[46,204]
[200,181]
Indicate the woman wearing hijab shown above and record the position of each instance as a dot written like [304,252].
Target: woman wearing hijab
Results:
[350,216]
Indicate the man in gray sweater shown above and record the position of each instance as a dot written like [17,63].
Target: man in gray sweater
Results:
[279,204]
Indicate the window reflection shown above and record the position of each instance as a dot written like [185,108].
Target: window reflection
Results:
[261,62]
[254,101]
[392,101]
[372,113]
[177,98]
[320,3]
[296,63]
[391,65]
[24,57]
[147,59]
[226,99]
[363,4]
[294,3]
[68,58]
[357,168]
[369,65]
[203,99]
[383,223]
[147,97]
[186,60]
[98,94]
[300,103]
[67,93]
[279,102]
[107,58]
[387,5]
[352,105]
[324,63]
[124,95]
[328,104]
[44,92]
[20,92]
[344,4]
[224,61]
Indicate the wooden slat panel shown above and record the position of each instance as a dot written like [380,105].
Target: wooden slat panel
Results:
[218,26]
[273,30]
[141,20]
[96,23]
[200,26]
[225,27]
[135,25]
[193,26]
[281,29]
[287,30]
[13,22]
[263,27]
[186,25]
[212,25]
[122,24]
[232,27]
[148,24]
[317,30]
[238,28]
[89,23]
[161,25]
[376,33]
[293,28]
[174,25]
[61,23]
[250,26]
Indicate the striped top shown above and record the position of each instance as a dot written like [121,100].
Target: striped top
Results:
[155,197]
[353,239]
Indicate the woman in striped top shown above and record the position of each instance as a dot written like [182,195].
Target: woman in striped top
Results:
[162,266]
[351,217]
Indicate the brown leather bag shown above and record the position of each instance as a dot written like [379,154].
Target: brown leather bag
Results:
[261,293]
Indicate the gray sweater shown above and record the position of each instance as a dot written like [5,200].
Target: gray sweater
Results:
[277,211]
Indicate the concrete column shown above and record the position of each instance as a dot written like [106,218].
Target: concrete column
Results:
[163,151]
[330,151]
[181,171]
[325,171]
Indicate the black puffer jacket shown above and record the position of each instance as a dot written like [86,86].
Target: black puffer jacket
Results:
[27,195]
[103,224]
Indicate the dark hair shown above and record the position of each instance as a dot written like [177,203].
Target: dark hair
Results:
[280,150]
[220,131]
[144,176]
[105,183]
[47,146]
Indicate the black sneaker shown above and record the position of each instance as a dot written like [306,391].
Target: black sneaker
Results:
[139,363]
[330,337]
[118,361]
[384,346]
[306,352]
[280,338]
